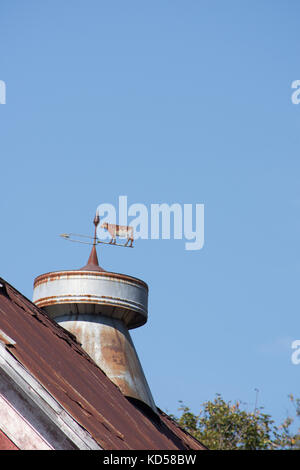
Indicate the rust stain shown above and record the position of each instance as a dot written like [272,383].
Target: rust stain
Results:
[61,298]
[57,275]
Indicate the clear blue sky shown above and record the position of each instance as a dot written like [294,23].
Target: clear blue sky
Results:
[164,101]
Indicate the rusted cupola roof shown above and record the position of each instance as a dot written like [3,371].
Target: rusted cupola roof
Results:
[93,263]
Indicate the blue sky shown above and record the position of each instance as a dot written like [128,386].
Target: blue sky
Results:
[164,101]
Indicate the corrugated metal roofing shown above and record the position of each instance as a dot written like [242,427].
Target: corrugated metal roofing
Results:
[53,356]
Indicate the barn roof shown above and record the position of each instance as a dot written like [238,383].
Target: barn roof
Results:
[57,361]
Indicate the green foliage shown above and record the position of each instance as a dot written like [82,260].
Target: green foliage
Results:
[225,426]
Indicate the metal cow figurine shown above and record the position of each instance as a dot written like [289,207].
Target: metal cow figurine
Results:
[119,231]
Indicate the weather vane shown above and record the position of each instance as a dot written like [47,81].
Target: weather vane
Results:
[120,231]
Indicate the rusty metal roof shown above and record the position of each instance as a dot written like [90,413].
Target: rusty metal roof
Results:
[6,443]
[54,357]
